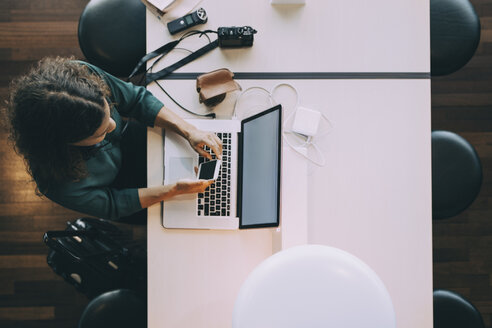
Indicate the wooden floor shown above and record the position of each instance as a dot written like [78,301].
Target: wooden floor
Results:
[31,295]
[462,103]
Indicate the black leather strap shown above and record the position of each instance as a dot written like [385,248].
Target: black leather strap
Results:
[164,50]
[168,70]
[160,51]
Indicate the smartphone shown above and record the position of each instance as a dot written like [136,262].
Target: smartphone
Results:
[209,170]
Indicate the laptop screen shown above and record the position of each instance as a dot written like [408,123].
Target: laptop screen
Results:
[259,170]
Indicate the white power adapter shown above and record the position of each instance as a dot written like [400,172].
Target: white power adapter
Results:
[306,121]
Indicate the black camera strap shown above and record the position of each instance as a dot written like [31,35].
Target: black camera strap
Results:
[168,70]
[164,50]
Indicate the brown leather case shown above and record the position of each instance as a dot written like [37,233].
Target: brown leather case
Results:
[215,83]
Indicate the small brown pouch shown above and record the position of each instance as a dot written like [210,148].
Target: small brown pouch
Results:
[213,86]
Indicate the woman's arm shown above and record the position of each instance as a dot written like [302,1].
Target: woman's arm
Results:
[152,195]
[139,103]
[167,119]
[110,203]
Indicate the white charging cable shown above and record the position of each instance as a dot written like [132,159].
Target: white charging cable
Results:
[248,90]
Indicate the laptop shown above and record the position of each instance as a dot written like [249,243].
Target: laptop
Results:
[246,193]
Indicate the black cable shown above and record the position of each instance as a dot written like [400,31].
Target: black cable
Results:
[194,32]
[211,115]
[184,36]
[184,50]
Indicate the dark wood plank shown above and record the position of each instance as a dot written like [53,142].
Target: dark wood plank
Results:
[43,293]
[46,10]
[27,313]
[39,323]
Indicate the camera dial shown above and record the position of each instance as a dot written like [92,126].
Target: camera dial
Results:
[202,14]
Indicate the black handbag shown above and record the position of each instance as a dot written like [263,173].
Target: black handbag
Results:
[95,256]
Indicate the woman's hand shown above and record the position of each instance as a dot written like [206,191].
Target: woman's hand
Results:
[198,139]
[152,195]
[189,186]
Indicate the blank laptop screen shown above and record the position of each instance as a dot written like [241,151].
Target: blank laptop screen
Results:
[260,170]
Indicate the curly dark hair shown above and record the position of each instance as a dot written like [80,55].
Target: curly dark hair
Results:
[58,102]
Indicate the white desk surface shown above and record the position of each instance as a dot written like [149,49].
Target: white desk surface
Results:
[373,196]
[320,36]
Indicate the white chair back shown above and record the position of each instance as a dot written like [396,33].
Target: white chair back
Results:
[313,286]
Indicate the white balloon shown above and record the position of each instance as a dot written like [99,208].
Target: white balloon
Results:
[313,286]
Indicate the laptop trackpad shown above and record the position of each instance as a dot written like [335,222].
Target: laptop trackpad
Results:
[180,168]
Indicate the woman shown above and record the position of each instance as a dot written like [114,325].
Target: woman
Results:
[66,121]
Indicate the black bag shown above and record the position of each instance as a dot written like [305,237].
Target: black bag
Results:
[95,257]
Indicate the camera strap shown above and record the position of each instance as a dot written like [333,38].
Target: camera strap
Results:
[164,50]
[168,70]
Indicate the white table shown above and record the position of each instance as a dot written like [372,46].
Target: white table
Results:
[373,196]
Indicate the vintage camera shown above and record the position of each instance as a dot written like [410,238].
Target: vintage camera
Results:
[233,37]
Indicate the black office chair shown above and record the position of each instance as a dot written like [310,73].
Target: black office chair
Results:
[455,35]
[133,171]
[112,34]
[452,310]
[456,174]
[120,308]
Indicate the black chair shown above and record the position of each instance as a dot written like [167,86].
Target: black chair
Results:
[456,174]
[451,310]
[112,34]
[455,34]
[133,172]
[120,308]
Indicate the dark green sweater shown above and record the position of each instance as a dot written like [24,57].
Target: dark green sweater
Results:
[94,195]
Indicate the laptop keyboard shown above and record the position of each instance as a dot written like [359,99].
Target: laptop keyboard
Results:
[216,200]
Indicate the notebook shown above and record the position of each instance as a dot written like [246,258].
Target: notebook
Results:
[247,191]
